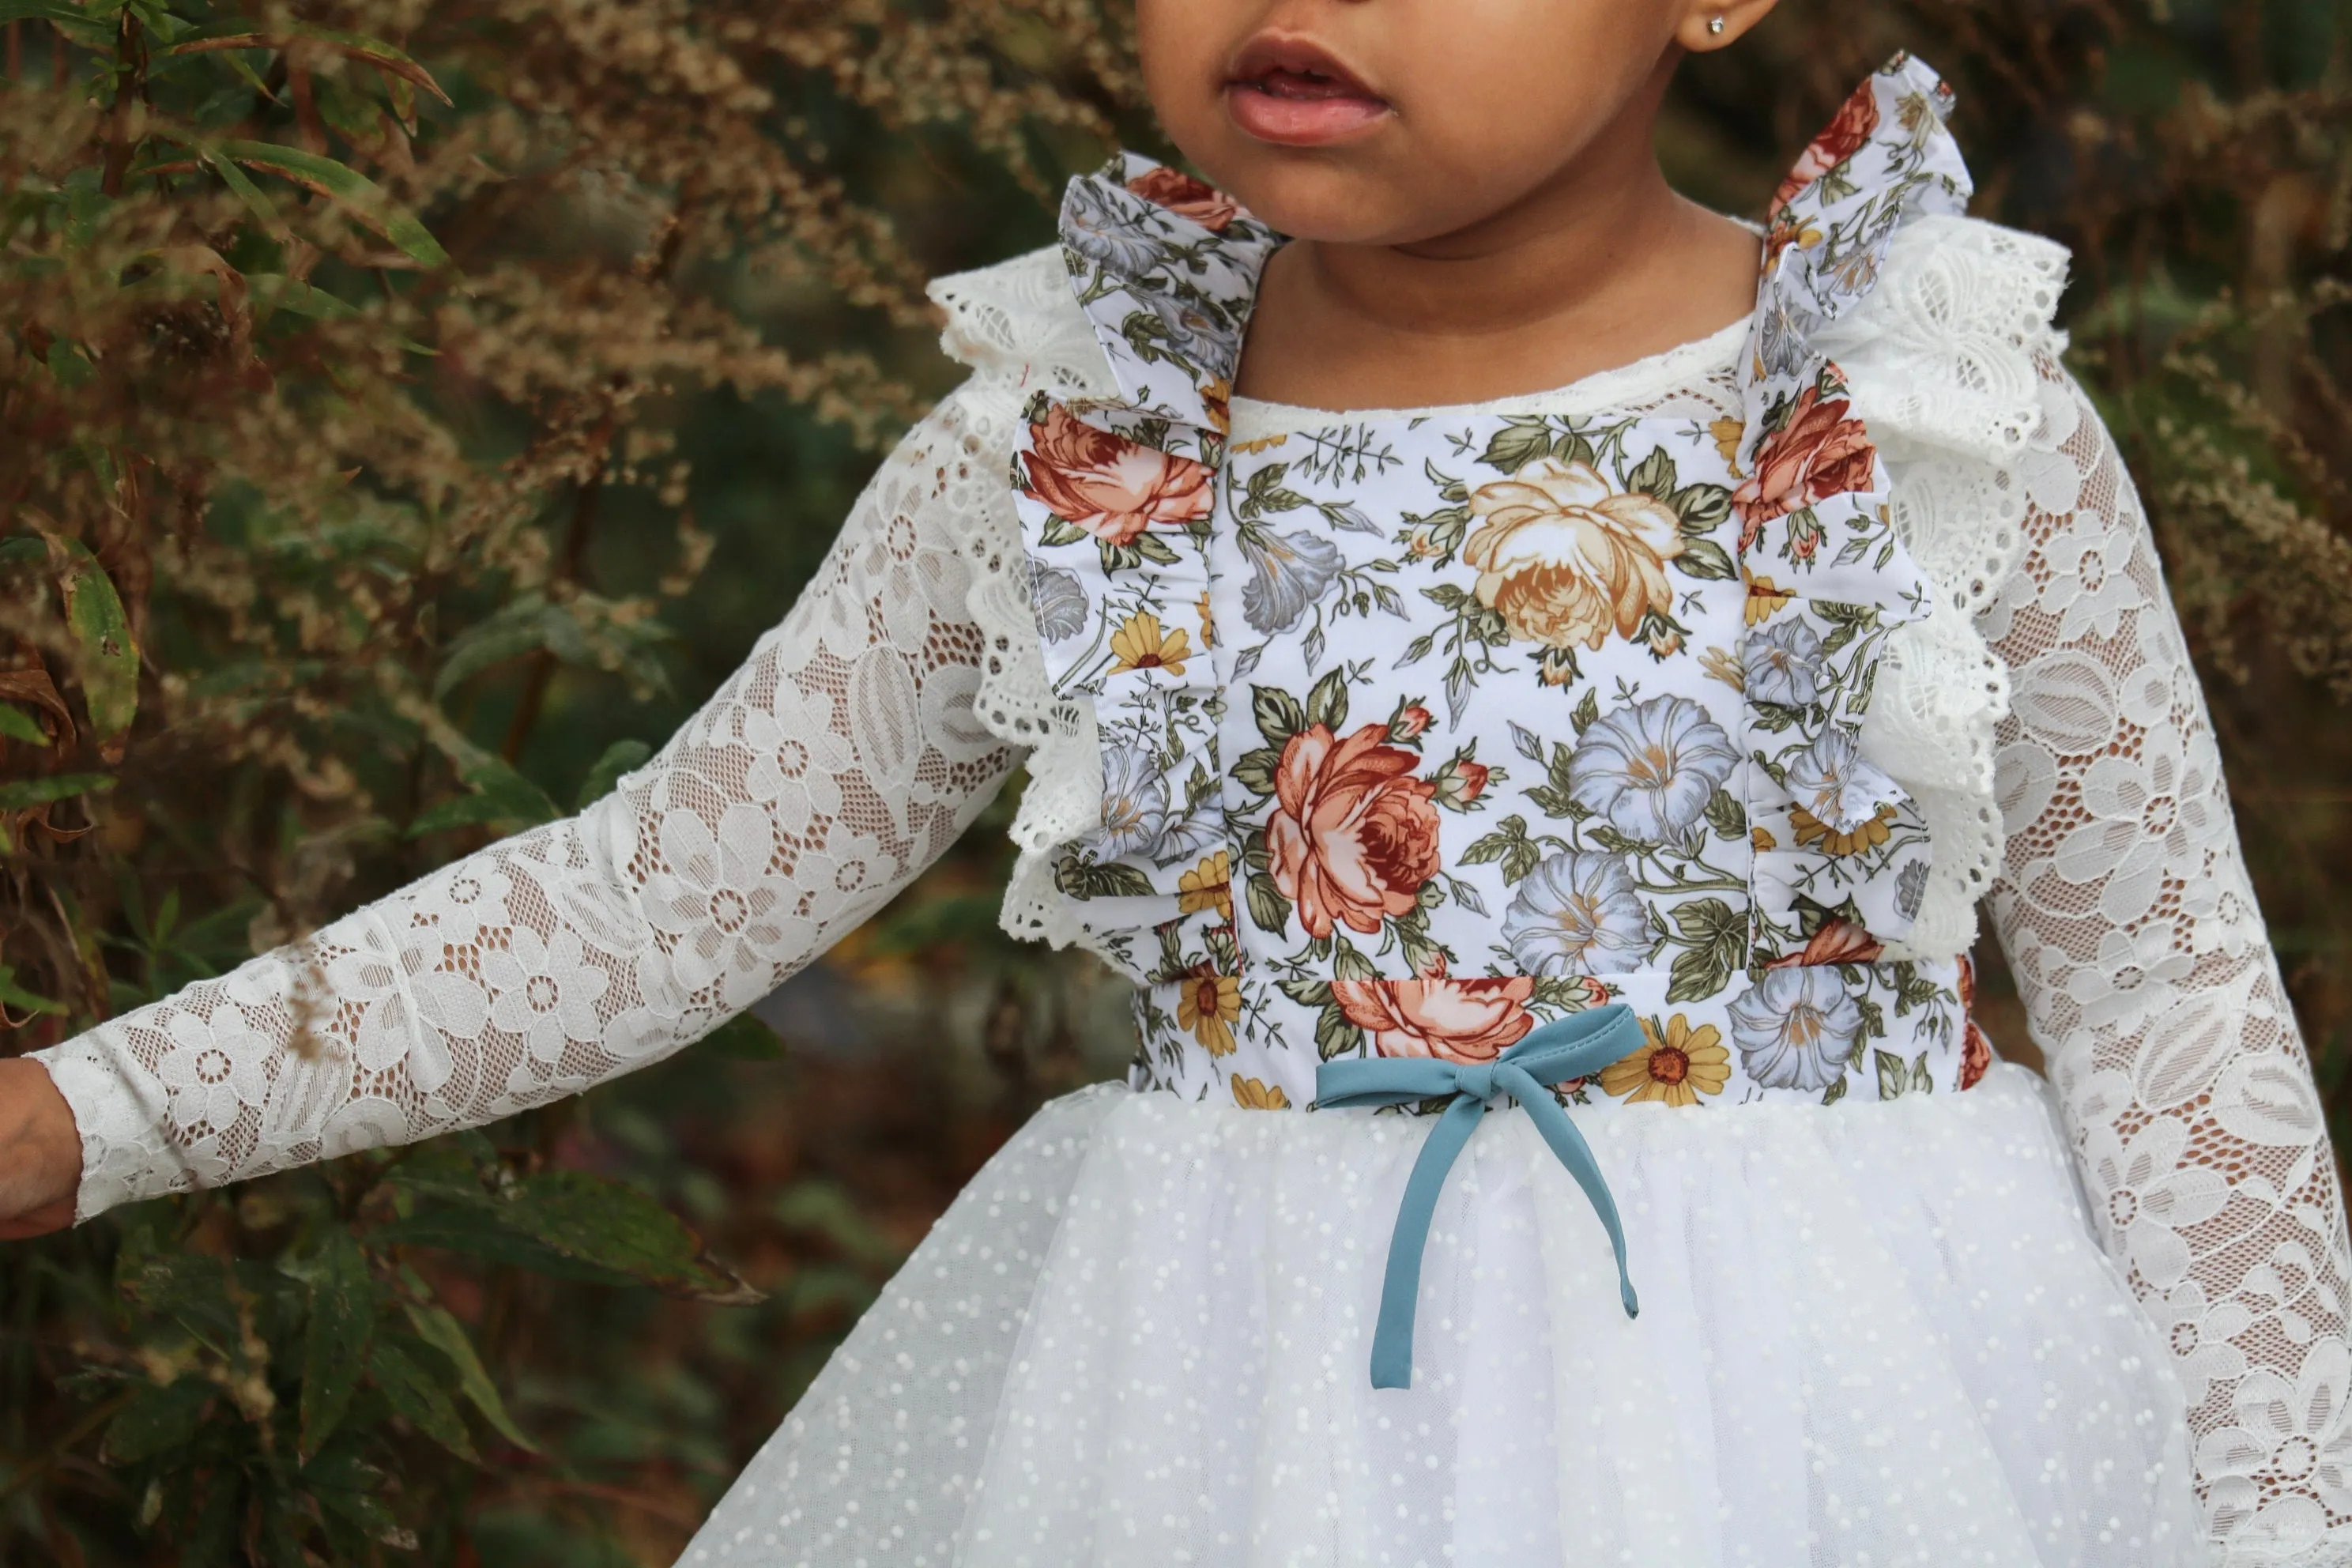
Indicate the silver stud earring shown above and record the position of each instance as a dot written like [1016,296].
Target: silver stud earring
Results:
[1714,25]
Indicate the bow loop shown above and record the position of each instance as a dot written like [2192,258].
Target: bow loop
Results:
[1575,1047]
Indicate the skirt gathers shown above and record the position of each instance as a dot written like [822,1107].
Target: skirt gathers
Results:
[1871,1334]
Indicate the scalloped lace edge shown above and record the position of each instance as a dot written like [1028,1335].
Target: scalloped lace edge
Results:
[1016,326]
[1943,356]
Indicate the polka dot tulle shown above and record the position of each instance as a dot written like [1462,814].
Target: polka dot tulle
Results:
[1869,1334]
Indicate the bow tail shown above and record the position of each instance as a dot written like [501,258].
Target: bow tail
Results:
[1568,1143]
[1401,1284]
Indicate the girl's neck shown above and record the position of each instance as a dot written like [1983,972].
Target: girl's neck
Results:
[1599,266]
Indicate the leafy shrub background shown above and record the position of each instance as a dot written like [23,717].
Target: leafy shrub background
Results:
[410,408]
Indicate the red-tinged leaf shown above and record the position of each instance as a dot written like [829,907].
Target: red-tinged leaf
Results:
[345,187]
[32,685]
[242,35]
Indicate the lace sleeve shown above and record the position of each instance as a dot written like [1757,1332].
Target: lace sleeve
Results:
[842,758]
[2126,911]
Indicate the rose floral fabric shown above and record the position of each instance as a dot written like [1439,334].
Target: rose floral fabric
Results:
[865,733]
[1414,732]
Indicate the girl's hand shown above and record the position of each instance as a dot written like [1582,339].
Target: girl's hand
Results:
[41,1152]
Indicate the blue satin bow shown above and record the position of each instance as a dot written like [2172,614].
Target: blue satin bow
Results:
[1575,1047]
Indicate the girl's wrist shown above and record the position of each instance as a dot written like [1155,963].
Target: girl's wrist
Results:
[40,1151]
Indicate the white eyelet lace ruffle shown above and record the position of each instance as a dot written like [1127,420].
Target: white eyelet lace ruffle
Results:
[1943,353]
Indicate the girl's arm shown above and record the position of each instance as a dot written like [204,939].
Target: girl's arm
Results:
[837,762]
[2127,914]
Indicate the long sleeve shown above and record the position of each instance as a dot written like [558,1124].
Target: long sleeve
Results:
[839,760]
[2126,911]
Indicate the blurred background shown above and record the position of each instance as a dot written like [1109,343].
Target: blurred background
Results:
[409,409]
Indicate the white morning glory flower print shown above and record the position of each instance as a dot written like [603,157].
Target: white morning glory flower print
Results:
[1288,574]
[1831,779]
[1135,801]
[1101,233]
[1057,599]
[1576,913]
[1651,769]
[1193,331]
[1783,665]
[1796,1027]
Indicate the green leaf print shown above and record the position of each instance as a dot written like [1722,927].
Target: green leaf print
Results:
[1307,992]
[1653,476]
[1922,1081]
[1894,1077]
[1335,1036]
[1714,939]
[1726,816]
[1326,704]
[1278,714]
[1347,963]
[1268,909]
[1587,714]
[1702,507]
[1706,560]
[1255,770]
[1522,439]
[1084,879]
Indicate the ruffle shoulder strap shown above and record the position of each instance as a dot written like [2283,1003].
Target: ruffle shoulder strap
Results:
[1018,326]
[1937,326]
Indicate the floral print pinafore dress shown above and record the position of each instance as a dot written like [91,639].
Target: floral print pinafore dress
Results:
[1419,730]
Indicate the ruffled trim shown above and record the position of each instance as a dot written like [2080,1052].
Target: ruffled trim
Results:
[1946,353]
[1018,329]
[1843,852]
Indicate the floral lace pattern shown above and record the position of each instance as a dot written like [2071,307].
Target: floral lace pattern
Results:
[2126,911]
[843,757]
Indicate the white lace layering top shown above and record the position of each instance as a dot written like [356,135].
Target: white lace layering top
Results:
[2045,718]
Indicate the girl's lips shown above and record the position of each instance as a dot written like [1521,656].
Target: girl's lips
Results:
[1297,93]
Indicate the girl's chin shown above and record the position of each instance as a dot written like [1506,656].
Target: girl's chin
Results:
[1303,121]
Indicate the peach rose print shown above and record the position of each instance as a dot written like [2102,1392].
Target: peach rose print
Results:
[1109,486]
[1185,196]
[1437,1015]
[1818,454]
[1353,835]
[1841,139]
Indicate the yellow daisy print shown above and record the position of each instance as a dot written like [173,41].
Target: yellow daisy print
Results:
[1766,598]
[1141,645]
[1812,829]
[1726,432]
[1675,1064]
[1208,1004]
[1251,1094]
[1208,886]
[1208,622]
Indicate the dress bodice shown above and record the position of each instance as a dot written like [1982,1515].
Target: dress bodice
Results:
[1419,727]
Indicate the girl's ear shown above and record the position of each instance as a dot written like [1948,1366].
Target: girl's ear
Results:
[1711,23]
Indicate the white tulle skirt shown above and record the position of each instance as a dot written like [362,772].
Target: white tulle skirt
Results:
[1874,1333]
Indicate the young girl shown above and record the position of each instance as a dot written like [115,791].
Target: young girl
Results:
[1552,671]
